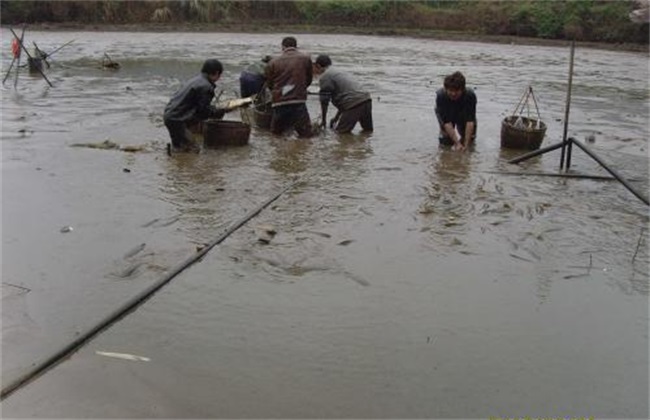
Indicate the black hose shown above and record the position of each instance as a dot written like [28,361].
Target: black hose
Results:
[132,303]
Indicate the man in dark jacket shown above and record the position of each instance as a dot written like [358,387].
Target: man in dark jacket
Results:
[288,77]
[456,111]
[191,104]
[353,103]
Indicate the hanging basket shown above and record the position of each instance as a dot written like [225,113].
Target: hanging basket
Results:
[523,132]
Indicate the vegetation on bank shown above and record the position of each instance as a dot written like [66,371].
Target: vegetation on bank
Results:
[582,20]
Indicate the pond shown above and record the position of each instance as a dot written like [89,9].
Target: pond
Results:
[405,280]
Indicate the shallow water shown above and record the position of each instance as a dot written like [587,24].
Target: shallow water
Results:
[405,280]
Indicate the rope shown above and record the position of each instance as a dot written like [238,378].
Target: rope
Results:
[132,303]
[524,104]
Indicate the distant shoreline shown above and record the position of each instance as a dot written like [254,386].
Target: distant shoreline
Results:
[311,29]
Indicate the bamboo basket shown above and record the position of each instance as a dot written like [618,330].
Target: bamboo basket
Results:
[221,133]
[523,132]
[529,135]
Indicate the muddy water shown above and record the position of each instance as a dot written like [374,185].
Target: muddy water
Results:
[405,280]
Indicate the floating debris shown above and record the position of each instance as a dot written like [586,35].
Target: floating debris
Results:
[108,63]
[265,233]
[104,145]
[109,145]
[132,149]
[123,356]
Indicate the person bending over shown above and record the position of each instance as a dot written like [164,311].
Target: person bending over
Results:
[252,78]
[354,105]
[191,104]
[456,112]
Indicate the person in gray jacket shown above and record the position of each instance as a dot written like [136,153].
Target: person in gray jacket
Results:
[353,103]
[191,104]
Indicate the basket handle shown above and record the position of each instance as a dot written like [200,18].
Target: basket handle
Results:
[523,104]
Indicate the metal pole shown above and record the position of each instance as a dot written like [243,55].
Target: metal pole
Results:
[611,171]
[569,149]
[536,152]
[559,175]
[568,104]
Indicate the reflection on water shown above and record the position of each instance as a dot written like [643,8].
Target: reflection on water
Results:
[351,148]
[290,156]
[449,200]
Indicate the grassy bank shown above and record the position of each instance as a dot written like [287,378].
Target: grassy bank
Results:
[588,21]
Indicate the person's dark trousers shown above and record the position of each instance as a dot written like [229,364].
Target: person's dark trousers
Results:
[250,84]
[294,116]
[179,134]
[361,113]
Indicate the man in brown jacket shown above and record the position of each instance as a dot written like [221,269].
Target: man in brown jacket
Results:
[288,77]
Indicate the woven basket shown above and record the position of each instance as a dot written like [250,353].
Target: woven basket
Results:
[262,118]
[220,133]
[529,136]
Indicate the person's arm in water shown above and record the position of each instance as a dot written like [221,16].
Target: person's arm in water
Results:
[442,113]
[334,120]
[451,133]
[469,134]
[324,103]
[325,94]
[470,125]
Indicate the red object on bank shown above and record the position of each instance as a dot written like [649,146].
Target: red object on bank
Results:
[15,48]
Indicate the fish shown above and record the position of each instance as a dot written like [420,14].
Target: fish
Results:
[129,271]
[357,279]
[236,103]
[323,234]
[123,356]
[134,250]
[150,222]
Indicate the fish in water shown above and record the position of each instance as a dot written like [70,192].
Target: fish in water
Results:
[151,222]
[129,271]
[134,250]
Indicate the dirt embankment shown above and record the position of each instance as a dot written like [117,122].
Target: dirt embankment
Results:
[311,29]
